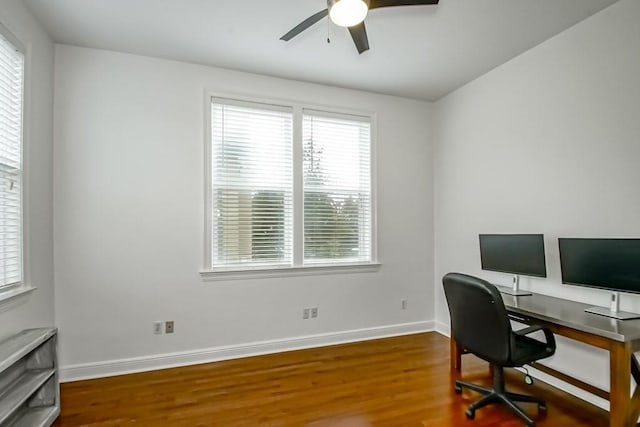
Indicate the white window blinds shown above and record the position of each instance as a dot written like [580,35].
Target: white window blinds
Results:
[337,187]
[252,184]
[11,88]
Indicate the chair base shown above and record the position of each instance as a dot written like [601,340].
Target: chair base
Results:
[497,394]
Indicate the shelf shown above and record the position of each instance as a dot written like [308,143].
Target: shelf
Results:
[36,417]
[29,388]
[18,346]
[21,389]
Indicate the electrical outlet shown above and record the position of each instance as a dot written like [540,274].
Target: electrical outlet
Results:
[168,327]
[314,312]
[305,313]
[403,303]
[157,328]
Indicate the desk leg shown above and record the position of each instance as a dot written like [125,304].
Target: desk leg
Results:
[634,413]
[620,399]
[456,355]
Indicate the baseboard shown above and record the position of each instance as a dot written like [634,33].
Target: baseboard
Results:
[442,328]
[568,388]
[172,360]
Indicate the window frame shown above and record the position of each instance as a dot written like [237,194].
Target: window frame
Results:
[21,287]
[298,268]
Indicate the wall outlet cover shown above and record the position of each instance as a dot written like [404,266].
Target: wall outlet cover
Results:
[157,327]
[168,327]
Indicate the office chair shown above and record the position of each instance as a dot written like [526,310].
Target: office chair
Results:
[480,325]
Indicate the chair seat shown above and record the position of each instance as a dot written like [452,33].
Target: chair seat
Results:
[528,350]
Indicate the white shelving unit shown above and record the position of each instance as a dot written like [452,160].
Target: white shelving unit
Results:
[29,388]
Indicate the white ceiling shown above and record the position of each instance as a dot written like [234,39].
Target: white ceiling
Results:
[419,52]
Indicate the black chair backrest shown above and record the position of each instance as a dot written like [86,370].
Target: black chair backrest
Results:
[479,321]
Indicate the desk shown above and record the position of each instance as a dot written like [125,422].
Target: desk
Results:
[568,318]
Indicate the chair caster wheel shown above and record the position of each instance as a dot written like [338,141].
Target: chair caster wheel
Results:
[458,389]
[542,407]
[470,413]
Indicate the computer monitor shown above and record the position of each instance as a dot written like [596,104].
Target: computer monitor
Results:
[610,264]
[518,254]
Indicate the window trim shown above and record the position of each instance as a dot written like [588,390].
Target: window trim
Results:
[277,272]
[297,268]
[21,287]
[15,291]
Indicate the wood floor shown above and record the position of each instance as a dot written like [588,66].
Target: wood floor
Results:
[403,381]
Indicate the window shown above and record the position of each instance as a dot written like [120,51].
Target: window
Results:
[252,189]
[11,89]
[336,167]
[289,187]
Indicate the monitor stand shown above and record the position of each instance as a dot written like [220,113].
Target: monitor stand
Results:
[515,289]
[614,311]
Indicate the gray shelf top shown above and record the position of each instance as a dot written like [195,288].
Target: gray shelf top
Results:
[18,346]
[572,314]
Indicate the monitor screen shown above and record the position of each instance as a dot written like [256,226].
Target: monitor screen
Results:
[612,264]
[513,253]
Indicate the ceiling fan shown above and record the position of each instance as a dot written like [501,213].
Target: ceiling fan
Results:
[351,14]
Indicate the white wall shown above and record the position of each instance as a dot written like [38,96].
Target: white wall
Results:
[36,308]
[547,143]
[129,221]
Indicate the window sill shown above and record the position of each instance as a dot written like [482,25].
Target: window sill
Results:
[313,270]
[14,293]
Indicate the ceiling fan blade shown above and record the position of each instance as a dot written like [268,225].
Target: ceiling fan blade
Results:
[373,4]
[359,36]
[304,25]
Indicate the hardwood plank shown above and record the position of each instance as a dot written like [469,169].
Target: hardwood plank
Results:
[403,381]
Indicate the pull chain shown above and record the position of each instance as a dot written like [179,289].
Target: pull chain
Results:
[328,29]
[528,379]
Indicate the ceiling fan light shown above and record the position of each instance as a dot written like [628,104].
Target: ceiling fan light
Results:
[347,13]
